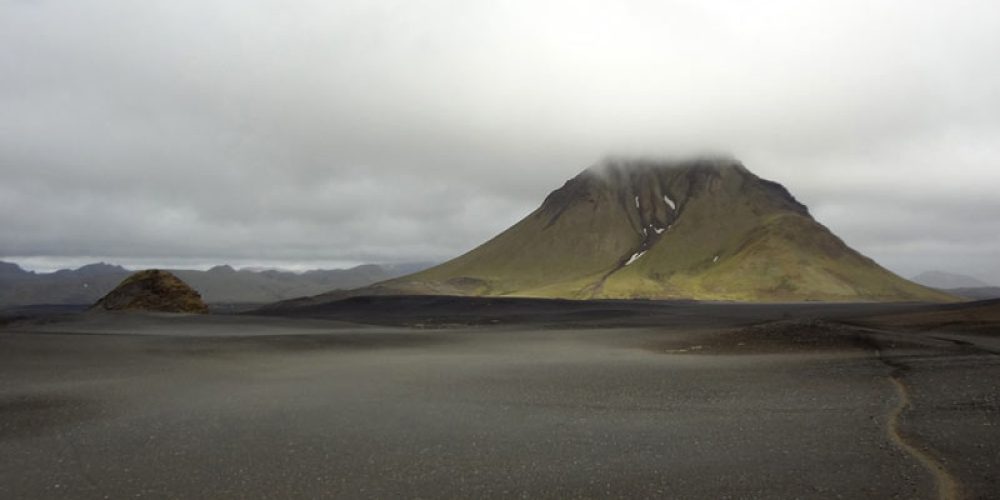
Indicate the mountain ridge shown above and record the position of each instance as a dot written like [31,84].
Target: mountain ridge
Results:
[219,285]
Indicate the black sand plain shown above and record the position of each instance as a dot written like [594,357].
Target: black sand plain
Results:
[438,397]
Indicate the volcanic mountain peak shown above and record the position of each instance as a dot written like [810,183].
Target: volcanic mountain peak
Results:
[704,228]
[655,192]
[152,290]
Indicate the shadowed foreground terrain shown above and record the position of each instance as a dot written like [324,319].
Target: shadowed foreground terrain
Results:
[501,397]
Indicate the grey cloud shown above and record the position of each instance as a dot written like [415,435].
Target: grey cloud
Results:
[387,131]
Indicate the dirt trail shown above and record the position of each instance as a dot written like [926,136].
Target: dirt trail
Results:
[947,485]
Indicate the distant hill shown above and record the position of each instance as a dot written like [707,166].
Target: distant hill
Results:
[221,284]
[703,229]
[946,280]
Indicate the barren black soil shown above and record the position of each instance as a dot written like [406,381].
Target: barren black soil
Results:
[498,398]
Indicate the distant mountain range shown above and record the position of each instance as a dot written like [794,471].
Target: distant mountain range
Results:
[946,280]
[705,229]
[975,293]
[218,285]
[960,285]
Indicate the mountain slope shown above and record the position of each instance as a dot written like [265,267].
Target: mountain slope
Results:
[705,229]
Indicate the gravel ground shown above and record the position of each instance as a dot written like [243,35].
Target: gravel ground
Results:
[163,406]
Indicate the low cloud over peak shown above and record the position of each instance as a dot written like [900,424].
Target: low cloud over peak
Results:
[392,131]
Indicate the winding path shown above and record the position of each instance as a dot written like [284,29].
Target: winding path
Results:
[947,485]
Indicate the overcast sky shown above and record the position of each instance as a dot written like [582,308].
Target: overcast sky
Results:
[326,133]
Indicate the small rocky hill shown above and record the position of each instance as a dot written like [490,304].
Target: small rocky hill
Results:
[152,290]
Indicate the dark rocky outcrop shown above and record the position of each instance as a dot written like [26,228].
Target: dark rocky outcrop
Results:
[152,290]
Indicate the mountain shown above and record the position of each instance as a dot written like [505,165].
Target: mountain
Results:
[76,286]
[225,284]
[706,229]
[944,280]
[152,290]
[959,285]
[221,284]
[10,270]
